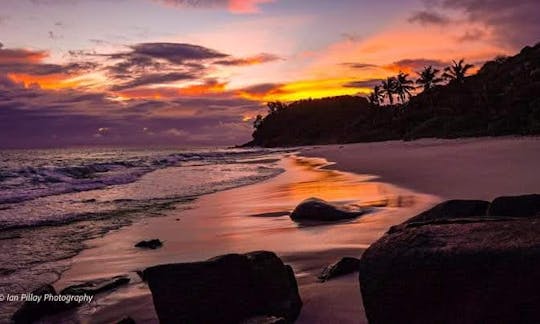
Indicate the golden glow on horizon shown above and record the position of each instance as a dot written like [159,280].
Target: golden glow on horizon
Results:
[313,89]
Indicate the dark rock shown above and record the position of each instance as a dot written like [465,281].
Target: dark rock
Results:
[453,209]
[150,244]
[344,266]
[96,286]
[315,209]
[31,312]
[482,271]
[447,211]
[126,320]
[224,289]
[517,206]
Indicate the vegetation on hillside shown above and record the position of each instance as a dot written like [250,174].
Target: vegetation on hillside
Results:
[502,98]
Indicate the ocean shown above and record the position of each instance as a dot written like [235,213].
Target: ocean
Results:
[52,201]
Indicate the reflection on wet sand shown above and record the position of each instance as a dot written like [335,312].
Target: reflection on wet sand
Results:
[220,223]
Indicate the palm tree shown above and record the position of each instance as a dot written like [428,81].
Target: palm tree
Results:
[404,86]
[376,96]
[428,78]
[457,71]
[389,88]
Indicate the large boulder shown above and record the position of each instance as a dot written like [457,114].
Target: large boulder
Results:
[517,206]
[483,270]
[315,209]
[225,289]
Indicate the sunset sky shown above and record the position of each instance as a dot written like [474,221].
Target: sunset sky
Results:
[196,72]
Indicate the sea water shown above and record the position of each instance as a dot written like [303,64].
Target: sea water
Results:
[52,201]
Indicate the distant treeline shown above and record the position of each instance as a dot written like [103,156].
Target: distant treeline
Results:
[502,98]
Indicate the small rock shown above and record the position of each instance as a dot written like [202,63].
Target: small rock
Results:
[150,244]
[516,206]
[342,267]
[315,209]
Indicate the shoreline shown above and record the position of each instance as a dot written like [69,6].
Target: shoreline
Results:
[223,222]
[488,166]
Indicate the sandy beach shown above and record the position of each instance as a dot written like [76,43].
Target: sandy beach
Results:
[475,168]
[408,176]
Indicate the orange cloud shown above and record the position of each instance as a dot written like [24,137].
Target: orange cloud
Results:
[202,89]
[208,88]
[21,56]
[47,82]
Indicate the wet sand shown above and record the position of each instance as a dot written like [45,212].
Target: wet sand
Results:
[252,218]
[474,168]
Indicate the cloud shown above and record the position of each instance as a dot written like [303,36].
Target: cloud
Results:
[513,23]
[157,78]
[176,53]
[72,117]
[234,6]
[472,35]
[360,66]
[253,60]
[19,55]
[176,132]
[425,17]
[363,83]
[413,65]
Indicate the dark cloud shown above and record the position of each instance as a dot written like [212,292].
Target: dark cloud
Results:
[416,64]
[65,118]
[425,17]
[360,66]
[263,88]
[472,35]
[363,83]
[514,23]
[176,53]
[258,59]
[158,78]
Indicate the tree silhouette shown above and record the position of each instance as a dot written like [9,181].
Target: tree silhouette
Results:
[389,88]
[376,96]
[275,106]
[258,121]
[428,78]
[457,71]
[403,86]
